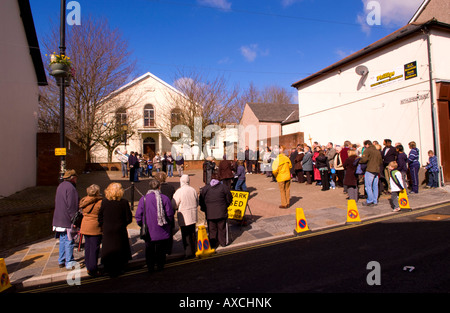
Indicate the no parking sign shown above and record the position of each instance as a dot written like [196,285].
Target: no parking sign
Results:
[236,210]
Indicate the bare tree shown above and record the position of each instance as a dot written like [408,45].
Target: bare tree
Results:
[102,64]
[48,114]
[202,102]
[119,121]
[269,94]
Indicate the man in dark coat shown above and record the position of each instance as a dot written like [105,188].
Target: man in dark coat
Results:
[226,171]
[132,160]
[248,154]
[208,168]
[215,198]
[66,206]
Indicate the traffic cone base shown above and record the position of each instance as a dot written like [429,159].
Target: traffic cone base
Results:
[301,227]
[203,244]
[403,201]
[352,213]
[4,277]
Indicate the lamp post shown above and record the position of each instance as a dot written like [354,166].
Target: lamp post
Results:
[62,51]
[125,129]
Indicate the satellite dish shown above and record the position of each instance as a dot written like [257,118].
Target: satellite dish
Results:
[363,71]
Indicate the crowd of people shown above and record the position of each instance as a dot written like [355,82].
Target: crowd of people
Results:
[105,220]
[139,165]
[347,166]
[380,169]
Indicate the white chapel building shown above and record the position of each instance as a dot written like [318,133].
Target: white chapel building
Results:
[148,108]
[147,114]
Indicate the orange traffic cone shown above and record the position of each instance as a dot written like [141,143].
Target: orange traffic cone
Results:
[203,244]
[352,213]
[301,227]
[403,201]
[4,278]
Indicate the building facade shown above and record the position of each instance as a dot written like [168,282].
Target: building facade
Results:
[144,111]
[263,124]
[147,108]
[22,74]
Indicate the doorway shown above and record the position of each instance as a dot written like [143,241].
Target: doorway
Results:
[149,147]
[443,109]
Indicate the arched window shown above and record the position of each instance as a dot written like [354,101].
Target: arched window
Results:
[149,116]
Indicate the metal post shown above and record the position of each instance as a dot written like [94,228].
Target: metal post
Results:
[62,51]
[132,196]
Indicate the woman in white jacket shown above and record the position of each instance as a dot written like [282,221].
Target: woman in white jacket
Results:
[186,199]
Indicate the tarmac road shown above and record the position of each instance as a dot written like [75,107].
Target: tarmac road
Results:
[335,260]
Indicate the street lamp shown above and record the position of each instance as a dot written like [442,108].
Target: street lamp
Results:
[62,51]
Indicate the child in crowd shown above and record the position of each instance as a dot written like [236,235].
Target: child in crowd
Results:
[396,183]
[402,161]
[433,170]
[240,173]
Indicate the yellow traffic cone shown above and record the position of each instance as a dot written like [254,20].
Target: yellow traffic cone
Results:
[203,244]
[352,213]
[301,227]
[4,278]
[403,201]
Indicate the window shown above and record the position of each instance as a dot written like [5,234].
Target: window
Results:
[121,125]
[175,117]
[149,116]
[121,117]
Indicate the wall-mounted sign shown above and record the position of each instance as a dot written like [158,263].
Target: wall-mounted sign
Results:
[398,74]
[414,99]
[386,78]
[410,70]
[60,151]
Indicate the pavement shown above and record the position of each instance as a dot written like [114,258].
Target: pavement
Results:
[36,263]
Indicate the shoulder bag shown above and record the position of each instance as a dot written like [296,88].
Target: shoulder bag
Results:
[78,217]
[145,233]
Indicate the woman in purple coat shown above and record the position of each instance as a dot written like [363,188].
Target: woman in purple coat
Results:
[159,216]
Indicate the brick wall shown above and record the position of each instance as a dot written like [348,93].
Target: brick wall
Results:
[48,165]
[288,141]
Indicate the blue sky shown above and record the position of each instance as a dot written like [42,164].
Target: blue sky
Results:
[267,42]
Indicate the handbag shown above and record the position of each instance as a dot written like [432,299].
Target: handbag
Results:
[78,217]
[144,232]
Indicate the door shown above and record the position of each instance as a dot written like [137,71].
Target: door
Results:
[149,147]
[443,113]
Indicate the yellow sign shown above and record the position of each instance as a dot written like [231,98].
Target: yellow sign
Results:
[236,210]
[410,70]
[60,151]
[4,278]
[301,224]
[387,78]
[352,212]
